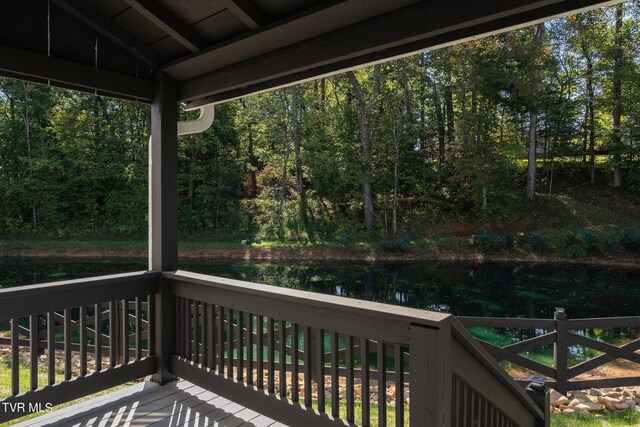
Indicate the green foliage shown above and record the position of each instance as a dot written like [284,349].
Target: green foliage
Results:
[345,239]
[630,241]
[400,244]
[587,243]
[532,241]
[246,243]
[448,132]
[490,243]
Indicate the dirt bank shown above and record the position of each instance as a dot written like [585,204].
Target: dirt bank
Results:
[327,253]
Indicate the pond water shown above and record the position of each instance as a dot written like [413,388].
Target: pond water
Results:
[464,289]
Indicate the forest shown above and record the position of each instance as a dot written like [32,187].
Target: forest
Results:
[490,132]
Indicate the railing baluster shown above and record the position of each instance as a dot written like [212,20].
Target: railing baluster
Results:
[220,352]
[230,343]
[180,327]
[260,351]
[364,352]
[188,329]
[465,404]
[138,328]
[240,346]
[113,334]
[320,367]
[250,350]
[335,385]
[473,406]
[125,332]
[151,325]
[283,358]
[349,362]
[195,324]
[15,359]
[272,353]
[83,341]
[295,395]
[308,402]
[207,336]
[211,337]
[398,360]
[97,319]
[382,384]
[67,344]
[51,348]
[487,410]
[34,330]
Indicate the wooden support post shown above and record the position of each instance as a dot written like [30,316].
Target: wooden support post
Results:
[163,213]
[560,351]
[430,368]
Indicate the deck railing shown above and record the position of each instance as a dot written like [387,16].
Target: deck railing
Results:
[300,357]
[317,360]
[71,339]
[562,333]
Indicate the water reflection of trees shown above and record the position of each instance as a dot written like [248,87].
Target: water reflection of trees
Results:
[489,289]
[513,290]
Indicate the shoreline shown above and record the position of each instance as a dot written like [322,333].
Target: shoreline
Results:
[326,254]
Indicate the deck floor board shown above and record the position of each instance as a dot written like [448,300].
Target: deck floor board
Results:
[179,403]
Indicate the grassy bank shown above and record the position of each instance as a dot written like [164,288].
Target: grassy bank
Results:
[610,247]
[580,225]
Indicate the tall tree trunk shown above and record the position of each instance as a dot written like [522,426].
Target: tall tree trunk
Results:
[394,218]
[533,118]
[585,132]
[253,164]
[591,113]
[365,109]
[448,97]
[297,145]
[283,189]
[551,160]
[531,163]
[617,98]
[191,185]
[440,124]
[27,132]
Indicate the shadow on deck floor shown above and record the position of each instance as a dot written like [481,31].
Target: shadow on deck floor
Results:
[178,403]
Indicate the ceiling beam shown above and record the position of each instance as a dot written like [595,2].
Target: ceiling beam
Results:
[35,66]
[248,13]
[275,35]
[104,26]
[412,29]
[169,23]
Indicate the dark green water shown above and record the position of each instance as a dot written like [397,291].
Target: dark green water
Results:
[490,289]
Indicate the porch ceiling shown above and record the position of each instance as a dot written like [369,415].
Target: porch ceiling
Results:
[222,49]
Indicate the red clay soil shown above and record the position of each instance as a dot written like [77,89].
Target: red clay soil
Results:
[336,254]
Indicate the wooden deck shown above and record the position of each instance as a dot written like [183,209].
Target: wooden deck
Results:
[148,404]
[227,338]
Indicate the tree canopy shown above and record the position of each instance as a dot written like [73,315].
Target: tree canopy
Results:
[441,135]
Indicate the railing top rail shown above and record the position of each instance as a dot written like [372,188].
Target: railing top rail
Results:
[604,322]
[530,323]
[47,288]
[25,300]
[507,322]
[389,321]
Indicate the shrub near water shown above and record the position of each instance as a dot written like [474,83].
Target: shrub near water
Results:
[490,243]
[397,245]
[532,241]
[631,241]
[588,243]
